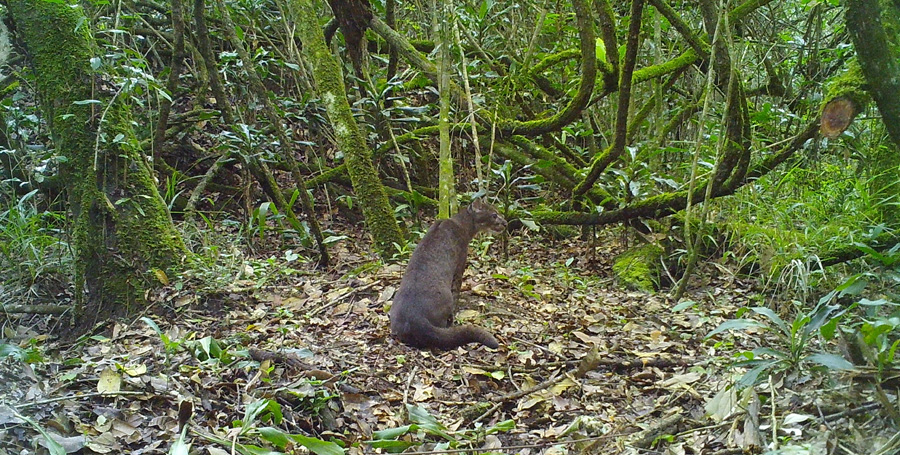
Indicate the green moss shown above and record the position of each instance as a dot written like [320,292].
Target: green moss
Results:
[657,71]
[122,230]
[744,9]
[851,84]
[639,268]
[329,81]
[553,59]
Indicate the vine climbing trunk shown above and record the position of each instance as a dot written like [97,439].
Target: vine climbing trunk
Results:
[363,175]
[124,238]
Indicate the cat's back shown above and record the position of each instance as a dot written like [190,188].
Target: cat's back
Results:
[436,252]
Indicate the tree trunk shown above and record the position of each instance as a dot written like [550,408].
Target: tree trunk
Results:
[873,27]
[446,179]
[124,238]
[330,84]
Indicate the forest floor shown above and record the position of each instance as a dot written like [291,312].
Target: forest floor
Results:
[584,366]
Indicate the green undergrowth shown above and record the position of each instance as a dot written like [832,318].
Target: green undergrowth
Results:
[782,224]
[34,255]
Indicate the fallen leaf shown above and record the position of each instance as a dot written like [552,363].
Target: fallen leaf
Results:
[110,381]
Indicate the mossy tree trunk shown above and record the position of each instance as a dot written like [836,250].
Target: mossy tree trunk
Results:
[330,84]
[873,26]
[124,239]
[446,179]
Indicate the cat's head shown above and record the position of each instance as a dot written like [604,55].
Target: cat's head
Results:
[486,217]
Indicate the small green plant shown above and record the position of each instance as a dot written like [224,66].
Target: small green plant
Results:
[172,192]
[790,346]
[259,218]
[313,398]
[877,341]
[523,279]
[424,427]
[402,252]
[31,354]
[268,411]
[32,252]
[211,351]
[52,445]
[171,346]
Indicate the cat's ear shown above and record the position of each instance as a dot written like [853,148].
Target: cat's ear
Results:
[477,205]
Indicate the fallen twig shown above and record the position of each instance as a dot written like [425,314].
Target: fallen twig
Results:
[34,309]
[76,397]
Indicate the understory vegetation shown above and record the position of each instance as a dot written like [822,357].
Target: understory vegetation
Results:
[695,261]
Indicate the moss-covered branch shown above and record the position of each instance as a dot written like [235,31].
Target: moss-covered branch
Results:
[581,99]
[601,161]
[669,203]
[683,29]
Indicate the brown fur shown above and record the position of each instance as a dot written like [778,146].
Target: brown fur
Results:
[424,305]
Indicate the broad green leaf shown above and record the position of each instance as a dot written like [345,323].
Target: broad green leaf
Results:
[394,433]
[875,303]
[824,315]
[249,449]
[853,285]
[600,49]
[420,415]
[772,317]
[277,437]
[9,350]
[392,446]
[772,352]
[505,425]
[530,224]
[750,378]
[318,446]
[53,447]
[735,324]
[893,351]
[253,410]
[334,239]
[152,325]
[829,329]
[683,305]
[800,325]
[832,361]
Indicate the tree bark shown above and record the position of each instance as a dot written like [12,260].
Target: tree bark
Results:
[330,84]
[446,178]
[874,34]
[165,105]
[608,156]
[873,28]
[124,239]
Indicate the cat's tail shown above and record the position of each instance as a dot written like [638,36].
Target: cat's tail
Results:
[452,337]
